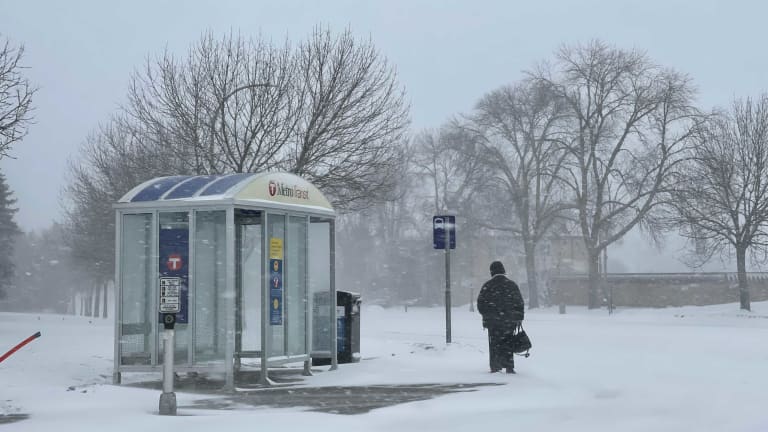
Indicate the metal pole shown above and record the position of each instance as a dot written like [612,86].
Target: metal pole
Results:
[332,302]
[116,374]
[168,397]
[230,306]
[605,281]
[266,329]
[472,300]
[447,283]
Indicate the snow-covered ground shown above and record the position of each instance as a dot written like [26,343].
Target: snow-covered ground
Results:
[692,369]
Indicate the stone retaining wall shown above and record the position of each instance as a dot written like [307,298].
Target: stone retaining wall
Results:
[661,289]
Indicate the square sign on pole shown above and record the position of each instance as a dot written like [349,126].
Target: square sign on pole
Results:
[441,225]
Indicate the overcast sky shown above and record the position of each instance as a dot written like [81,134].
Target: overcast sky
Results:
[447,53]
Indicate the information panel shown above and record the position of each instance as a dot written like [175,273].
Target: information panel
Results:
[174,270]
[276,281]
[170,295]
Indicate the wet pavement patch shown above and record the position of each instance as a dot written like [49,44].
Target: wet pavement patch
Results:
[12,418]
[334,400]
[289,393]
[202,383]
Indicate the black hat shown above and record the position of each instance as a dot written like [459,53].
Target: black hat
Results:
[497,268]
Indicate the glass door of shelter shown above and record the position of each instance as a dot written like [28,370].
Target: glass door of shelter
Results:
[249,280]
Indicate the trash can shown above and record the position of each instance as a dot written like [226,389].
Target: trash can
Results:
[347,328]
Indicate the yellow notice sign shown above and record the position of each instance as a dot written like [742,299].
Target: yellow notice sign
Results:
[275,248]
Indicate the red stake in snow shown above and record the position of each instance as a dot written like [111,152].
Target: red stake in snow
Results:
[21,344]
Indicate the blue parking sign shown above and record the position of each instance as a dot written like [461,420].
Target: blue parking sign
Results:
[440,226]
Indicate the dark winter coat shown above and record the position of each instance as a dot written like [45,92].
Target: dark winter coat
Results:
[500,303]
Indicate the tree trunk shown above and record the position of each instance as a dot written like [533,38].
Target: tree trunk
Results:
[96,300]
[530,271]
[594,279]
[105,302]
[741,270]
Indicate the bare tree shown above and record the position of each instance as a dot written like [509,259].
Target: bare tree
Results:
[630,122]
[723,199]
[353,119]
[228,107]
[15,97]
[518,127]
[330,110]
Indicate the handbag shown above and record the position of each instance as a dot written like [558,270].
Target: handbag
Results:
[521,343]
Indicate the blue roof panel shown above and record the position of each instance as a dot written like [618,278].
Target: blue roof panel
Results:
[190,187]
[156,189]
[223,184]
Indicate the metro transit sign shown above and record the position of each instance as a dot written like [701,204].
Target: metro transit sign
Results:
[442,226]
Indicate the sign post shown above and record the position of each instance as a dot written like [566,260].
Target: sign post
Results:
[444,237]
[170,305]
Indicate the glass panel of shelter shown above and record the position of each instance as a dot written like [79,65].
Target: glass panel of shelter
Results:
[295,286]
[319,282]
[248,283]
[209,283]
[137,288]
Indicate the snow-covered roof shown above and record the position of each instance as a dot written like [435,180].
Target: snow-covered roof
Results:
[263,189]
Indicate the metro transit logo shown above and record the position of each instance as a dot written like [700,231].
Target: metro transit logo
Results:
[277,188]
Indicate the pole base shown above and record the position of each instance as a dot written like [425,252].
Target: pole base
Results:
[168,404]
[307,368]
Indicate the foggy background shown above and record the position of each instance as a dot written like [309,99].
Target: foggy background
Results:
[447,54]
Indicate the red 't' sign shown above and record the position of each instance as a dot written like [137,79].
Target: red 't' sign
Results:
[174,262]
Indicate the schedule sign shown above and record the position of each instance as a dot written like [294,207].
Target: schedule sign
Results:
[442,226]
[170,295]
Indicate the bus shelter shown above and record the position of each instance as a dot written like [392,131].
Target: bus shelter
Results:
[246,253]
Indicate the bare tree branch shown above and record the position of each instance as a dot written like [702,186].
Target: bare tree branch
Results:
[15,97]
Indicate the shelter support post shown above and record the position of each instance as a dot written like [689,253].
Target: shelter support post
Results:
[229,355]
[334,331]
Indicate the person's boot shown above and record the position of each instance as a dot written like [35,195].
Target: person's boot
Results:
[511,370]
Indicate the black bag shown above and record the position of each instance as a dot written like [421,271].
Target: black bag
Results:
[521,343]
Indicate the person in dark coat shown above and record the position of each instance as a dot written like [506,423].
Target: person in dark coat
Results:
[503,309]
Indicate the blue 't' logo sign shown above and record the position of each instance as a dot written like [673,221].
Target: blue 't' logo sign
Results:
[440,226]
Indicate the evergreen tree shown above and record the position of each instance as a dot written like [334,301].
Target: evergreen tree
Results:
[8,232]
